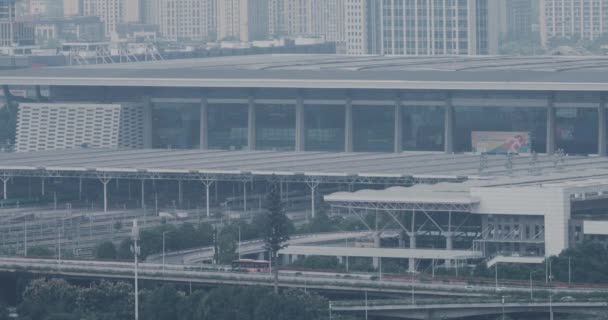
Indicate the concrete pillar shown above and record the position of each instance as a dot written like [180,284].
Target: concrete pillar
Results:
[601,116]
[300,124]
[42,187]
[143,194]
[204,124]
[449,246]
[398,126]
[401,240]
[348,126]
[376,260]
[261,256]
[550,125]
[105,182]
[147,123]
[285,259]
[412,261]
[5,189]
[251,124]
[180,193]
[448,138]
[340,259]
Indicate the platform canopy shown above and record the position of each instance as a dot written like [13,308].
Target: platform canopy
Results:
[404,168]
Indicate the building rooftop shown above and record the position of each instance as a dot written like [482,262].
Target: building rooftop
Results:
[433,166]
[338,72]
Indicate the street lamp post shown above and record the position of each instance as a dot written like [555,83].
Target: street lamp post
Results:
[496,275]
[135,250]
[531,291]
[164,233]
[365,304]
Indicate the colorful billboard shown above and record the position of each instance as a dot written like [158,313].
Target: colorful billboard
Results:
[497,142]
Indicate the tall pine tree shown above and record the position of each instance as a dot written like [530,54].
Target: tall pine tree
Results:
[276,232]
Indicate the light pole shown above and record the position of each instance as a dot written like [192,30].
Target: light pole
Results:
[496,275]
[531,291]
[503,307]
[365,304]
[135,250]
[164,233]
[330,310]
[569,272]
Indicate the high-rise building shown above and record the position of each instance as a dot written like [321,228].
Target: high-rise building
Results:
[72,7]
[132,11]
[575,19]
[185,19]
[435,27]
[358,19]
[110,12]
[243,20]
[316,18]
[520,18]
[13,32]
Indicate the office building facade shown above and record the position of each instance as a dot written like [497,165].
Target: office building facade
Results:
[242,20]
[185,19]
[574,19]
[431,27]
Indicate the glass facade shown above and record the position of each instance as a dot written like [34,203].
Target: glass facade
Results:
[275,126]
[576,130]
[227,126]
[373,128]
[176,125]
[422,128]
[499,119]
[324,127]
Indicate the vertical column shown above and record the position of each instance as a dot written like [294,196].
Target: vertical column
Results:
[412,261]
[398,126]
[449,245]
[300,129]
[180,193]
[251,124]
[448,139]
[348,125]
[601,115]
[551,124]
[204,129]
[147,122]
[143,194]
[376,260]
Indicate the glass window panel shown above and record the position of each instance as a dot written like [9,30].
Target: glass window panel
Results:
[275,126]
[576,130]
[507,119]
[423,128]
[227,125]
[176,125]
[373,128]
[324,127]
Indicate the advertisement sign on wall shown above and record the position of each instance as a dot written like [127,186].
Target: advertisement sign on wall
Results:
[497,142]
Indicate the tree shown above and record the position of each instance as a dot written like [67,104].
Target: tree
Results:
[4,315]
[44,297]
[106,251]
[107,300]
[40,252]
[161,303]
[276,232]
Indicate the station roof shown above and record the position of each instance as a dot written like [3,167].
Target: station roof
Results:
[454,193]
[359,167]
[550,73]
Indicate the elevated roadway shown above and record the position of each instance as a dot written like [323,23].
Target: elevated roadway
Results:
[477,309]
[198,255]
[214,276]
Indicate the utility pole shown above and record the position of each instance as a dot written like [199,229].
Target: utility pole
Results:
[135,250]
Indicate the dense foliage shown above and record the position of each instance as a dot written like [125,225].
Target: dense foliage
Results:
[56,299]
[276,230]
[588,264]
